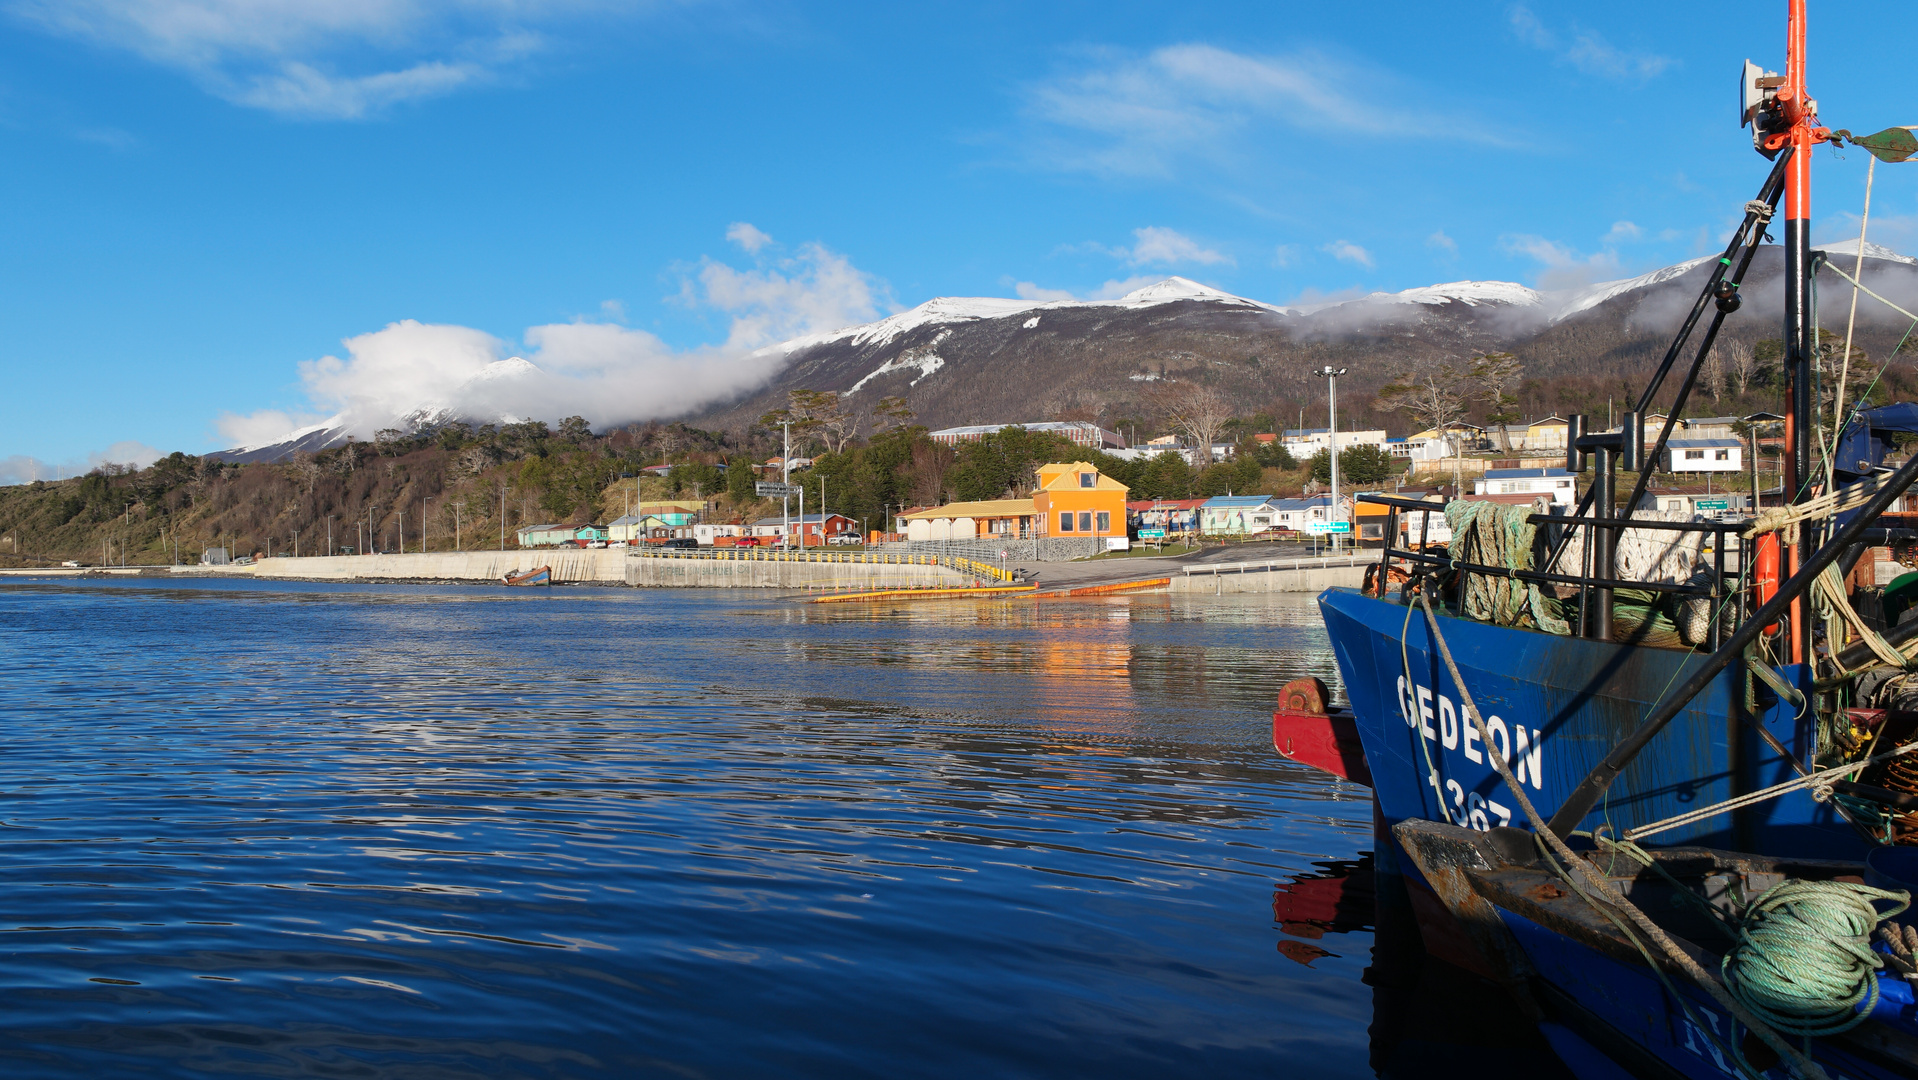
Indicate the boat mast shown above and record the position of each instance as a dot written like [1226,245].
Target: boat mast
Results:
[1800,112]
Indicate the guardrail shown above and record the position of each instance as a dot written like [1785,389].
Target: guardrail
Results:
[874,558]
[1280,564]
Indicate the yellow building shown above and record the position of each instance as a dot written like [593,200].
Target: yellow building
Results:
[1075,499]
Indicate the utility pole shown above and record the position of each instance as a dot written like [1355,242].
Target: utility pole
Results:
[372,537]
[1331,376]
[402,530]
[785,477]
[502,515]
[329,534]
[456,526]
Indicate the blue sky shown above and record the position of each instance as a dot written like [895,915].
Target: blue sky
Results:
[214,209]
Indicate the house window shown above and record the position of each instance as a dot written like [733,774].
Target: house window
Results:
[1065,521]
[1266,520]
[1564,483]
[1087,479]
[1085,521]
[1694,455]
[1722,455]
[1105,522]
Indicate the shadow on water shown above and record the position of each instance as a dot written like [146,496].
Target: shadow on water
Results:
[304,830]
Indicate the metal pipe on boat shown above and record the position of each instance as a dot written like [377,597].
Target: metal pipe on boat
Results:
[1599,780]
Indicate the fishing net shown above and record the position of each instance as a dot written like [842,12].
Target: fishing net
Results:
[1494,534]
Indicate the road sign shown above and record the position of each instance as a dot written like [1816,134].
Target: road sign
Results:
[1328,526]
[1152,534]
[767,489]
[1711,504]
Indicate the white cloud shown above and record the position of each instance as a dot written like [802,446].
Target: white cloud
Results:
[335,59]
[1588,50]
[1111,290]
[1157,113]
[815,290]
[747,237]
[21,469]
[1285,255]
[1026,290]
[607,373]
[1623,232]
[1346,251]
[1160,245]
[261,426]
[1442,242]
[1564,268]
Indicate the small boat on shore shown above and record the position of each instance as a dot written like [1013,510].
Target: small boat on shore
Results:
[538,575]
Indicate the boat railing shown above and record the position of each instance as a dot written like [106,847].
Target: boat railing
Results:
[1729,563]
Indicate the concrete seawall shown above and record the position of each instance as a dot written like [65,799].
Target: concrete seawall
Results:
[781,574]
[606,565]
[1307,580]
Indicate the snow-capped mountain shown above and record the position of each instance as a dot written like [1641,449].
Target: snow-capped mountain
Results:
[968,360]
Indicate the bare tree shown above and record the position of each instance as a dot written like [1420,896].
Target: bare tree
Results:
[1433,395]
[1497,375]
[1196,410]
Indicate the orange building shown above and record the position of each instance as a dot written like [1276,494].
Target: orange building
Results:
[1077,500]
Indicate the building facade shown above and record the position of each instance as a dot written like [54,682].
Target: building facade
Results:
[1075,499]
[1557,483]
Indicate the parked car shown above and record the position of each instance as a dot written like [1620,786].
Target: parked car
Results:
[596,543]
[680,542]
[750,541]
[843,538]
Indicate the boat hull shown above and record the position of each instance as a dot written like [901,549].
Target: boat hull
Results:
[1554,707]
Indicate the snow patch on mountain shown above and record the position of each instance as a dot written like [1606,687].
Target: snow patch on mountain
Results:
[926,361]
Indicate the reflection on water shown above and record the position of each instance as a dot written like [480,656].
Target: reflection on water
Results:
[290,830]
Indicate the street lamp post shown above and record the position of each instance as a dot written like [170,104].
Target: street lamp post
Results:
[1331,376]
[372,538]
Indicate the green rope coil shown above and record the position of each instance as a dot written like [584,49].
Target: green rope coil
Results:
[1803,962]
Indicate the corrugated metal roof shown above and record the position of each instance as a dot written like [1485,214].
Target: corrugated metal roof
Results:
[992,508]
[1694,444]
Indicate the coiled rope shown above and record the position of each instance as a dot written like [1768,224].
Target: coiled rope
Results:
[1803,961]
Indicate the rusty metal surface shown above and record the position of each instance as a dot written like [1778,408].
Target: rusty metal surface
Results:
[1449,858]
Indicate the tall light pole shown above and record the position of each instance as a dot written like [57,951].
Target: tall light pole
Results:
[785,478]
[372,538]
[1331,376]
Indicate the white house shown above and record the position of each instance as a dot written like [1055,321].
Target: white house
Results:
[1703,456]
[1554,482]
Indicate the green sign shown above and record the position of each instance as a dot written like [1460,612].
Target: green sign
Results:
[1152,534]
[1711,504]
[1328,526]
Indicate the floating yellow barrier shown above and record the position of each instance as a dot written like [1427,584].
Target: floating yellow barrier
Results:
[924,594]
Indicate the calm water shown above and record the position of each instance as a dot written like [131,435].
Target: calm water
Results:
[319,830]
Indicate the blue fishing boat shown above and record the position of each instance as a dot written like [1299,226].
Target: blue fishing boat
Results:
[1650,774]
[538,575]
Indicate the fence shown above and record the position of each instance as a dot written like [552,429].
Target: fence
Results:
[1025,549]
[963,564]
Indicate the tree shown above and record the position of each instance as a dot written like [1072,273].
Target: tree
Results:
[1363,463]
[890,412]
[1433,395]
[739,479]
[575,430]
[1196,410]
[816,414]
[1497,374]
[1271,455]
